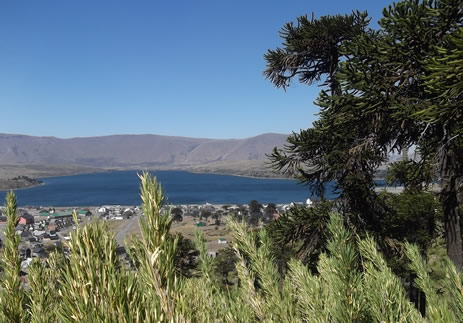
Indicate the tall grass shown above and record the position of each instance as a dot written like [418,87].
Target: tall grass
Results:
[92,284]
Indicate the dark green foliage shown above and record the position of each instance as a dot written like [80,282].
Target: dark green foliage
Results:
[445,81]
[176,211]
[217,215]
[312,48]
[401,56]
[224,264]
[269,212]
[411,174]
[185,257]
[270,209]
[255,213]
[303,230]
[253,220]
[255,207]
[205,214]
[177,214]
[413,217]
[323,153]
[397,87]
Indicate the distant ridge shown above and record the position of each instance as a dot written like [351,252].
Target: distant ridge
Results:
[134,151]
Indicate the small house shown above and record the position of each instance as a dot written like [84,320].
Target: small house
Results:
[208,207]
[44,212]
[26,263]
[38,251]
[38,232]
[33,239]
[63,214]
[84,212]
[26,219]
[276,215]
[128,213]
[25,235]
[309,202]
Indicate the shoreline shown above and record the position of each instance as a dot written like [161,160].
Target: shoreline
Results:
[18,177]
[237,175]
[21,188]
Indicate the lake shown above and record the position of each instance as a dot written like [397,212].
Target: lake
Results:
[122,188]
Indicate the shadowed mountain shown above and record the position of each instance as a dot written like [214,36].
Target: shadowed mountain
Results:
[132,151]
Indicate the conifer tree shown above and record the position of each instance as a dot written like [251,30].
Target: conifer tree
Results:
[312,49]
[392,95]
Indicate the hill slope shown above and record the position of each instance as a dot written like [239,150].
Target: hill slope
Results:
[133,151]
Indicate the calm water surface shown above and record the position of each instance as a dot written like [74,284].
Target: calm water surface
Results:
[122,188]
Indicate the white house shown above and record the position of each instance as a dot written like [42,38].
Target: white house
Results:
[309,202]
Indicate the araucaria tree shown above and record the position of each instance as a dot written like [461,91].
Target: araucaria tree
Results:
[312,49]
[395,88]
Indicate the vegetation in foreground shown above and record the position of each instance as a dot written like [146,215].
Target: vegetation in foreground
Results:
[353,282]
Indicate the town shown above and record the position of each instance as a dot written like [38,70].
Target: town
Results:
[44,229]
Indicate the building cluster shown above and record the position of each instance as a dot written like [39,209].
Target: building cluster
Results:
[117,212]
[264,212]
[43,229]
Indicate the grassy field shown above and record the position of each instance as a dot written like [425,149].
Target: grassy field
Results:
[211,232]
[187,227]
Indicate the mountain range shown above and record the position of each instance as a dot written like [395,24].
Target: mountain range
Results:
[135,151]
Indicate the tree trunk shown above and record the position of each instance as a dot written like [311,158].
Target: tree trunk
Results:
[333,82]
[405,154]
[449,198]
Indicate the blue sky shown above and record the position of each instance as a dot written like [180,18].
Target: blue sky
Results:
[182,68]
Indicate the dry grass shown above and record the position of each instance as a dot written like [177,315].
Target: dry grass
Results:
[211,232]
[113,225]
[187,228]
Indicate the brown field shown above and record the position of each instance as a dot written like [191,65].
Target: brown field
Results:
[187,228]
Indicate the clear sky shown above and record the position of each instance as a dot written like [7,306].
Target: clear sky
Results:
[184,68]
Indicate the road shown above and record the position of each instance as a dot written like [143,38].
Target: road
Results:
[126,226]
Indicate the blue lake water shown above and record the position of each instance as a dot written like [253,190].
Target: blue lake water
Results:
[122,187]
